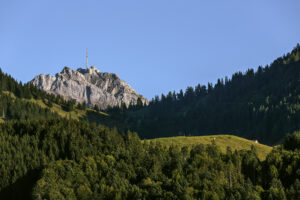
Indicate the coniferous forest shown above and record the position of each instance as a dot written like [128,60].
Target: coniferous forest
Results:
[46,156]
[67,159]
[260,104]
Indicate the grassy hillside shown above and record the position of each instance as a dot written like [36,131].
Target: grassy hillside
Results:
[76,114]
[223,141]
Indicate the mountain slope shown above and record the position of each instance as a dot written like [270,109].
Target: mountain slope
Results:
[262,104]
[26,102]
[222,141]
[89,86]
[70,159]
[59,158]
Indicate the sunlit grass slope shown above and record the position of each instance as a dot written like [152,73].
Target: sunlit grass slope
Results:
[223,141]
[74,114]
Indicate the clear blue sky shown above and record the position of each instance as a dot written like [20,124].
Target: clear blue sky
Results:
[156,46]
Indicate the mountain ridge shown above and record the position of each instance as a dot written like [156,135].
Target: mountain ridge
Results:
[90,86]
[262,104]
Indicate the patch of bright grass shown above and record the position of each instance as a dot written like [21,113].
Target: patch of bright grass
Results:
[223,141]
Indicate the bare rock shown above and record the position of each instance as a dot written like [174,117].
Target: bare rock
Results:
[90,86]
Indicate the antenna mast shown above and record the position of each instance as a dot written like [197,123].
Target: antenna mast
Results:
[87,59]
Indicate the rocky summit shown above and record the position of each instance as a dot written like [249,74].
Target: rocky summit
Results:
[90,86]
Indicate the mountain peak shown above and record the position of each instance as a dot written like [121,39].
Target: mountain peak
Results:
[65,69]
[90,86]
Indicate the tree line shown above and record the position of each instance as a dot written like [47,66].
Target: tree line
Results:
[69,159]
[261,104]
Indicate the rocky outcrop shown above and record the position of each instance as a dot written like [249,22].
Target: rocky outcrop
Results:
[90,86]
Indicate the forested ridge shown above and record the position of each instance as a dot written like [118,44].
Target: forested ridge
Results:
[46,156]
[69,159]
[262,104]
[25,101]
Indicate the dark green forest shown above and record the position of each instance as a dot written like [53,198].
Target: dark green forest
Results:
[13,104]
[262,104]
[45,156]
[67,159]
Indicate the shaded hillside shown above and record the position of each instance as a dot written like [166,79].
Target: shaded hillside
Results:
[24,101]
[45,154]
[262,104]
[70,159]
[15,101]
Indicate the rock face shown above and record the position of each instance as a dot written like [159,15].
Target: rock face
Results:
[90,86]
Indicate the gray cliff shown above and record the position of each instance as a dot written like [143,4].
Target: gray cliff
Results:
[90,86]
